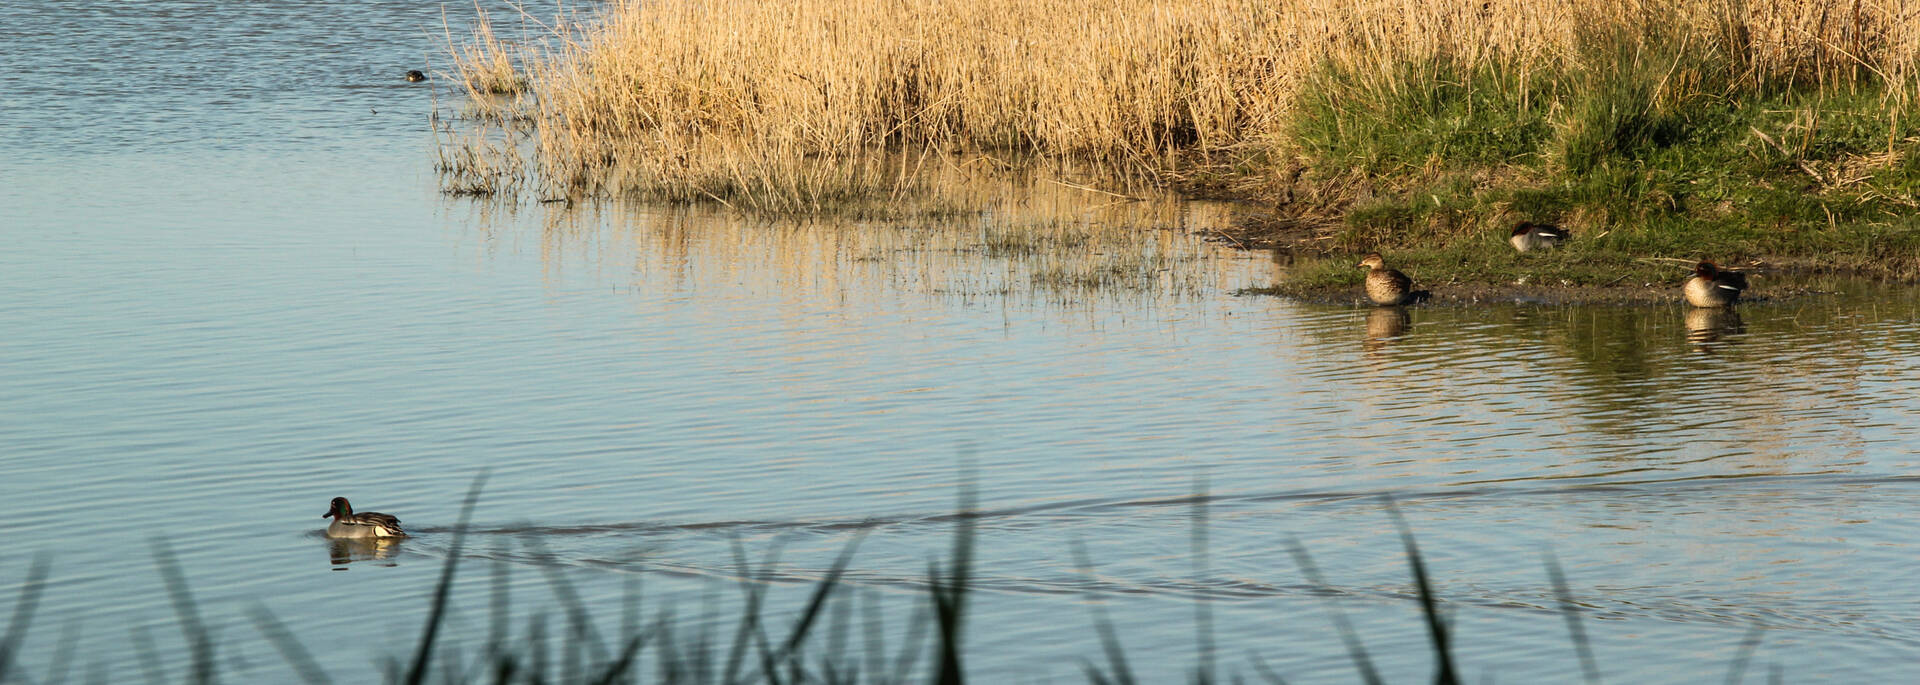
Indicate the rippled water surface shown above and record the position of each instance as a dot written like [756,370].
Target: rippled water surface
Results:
[231,290]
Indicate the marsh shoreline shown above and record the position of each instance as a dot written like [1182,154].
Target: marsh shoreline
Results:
[1658,134]
[1321,274]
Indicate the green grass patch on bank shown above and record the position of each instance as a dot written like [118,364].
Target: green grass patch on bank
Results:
[1642,155]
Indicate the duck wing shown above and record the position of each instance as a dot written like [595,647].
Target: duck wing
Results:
[377,519]
[1399,280]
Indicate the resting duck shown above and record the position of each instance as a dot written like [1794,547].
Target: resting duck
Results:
[368,524]
[1711,286]
[1531,236]
[415,76]
[1386,286]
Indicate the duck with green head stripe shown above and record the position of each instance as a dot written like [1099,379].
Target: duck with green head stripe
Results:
[366,524]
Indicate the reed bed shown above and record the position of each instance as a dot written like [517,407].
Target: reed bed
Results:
[1393,118]
[487,64]
[1133,80]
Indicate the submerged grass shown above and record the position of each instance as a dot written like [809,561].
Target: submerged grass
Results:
[1658,128]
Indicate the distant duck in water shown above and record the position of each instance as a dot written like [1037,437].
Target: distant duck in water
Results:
[1712,286]
[1528,236]
[368,524]
[415,76]
[1386,286]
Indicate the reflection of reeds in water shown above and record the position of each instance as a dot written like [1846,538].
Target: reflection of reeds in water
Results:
[1018,236]
[481,161]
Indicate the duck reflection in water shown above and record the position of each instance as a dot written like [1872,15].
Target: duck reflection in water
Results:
[343,551]
[1709,325]
[1384,324]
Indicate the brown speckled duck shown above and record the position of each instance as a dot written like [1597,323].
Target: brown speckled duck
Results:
[1712,286]
[1528,236]
[1386,286]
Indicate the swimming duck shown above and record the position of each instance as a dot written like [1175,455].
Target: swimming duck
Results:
[1712,286]
[366,524]
[414,76]
[1386,286]
[1531,236]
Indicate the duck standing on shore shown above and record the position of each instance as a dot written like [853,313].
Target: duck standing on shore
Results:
[1387,286]
[1712,286]
[366,524]
[1528,236]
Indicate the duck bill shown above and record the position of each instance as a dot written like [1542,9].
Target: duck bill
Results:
[329,514]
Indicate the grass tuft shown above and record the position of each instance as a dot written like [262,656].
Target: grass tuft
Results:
[23,609]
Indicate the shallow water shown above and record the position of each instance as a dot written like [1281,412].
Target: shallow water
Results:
[231,291]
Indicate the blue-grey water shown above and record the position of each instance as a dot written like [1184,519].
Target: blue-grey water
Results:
[230,289]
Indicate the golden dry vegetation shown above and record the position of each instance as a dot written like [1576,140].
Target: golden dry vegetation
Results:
[780,105]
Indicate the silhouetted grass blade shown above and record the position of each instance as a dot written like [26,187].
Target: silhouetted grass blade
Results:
[917,625]
[62,654]
[290,649]
[876,641]
[424,651]
[950,593]
[537,645]
[1102,624]
[199,645]
[617,670]
[1265,672]
[752,586]
[1351,638]
[23,609]
[499,604]
[1444,672]
[821,592]
[580,629]
[1571,611]
[1202,606]
[1093,673]
[149,657]
[1750,642]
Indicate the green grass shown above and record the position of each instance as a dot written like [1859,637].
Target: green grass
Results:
[1642,154]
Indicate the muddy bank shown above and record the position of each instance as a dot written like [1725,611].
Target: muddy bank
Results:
[1468,294]
[1315,269]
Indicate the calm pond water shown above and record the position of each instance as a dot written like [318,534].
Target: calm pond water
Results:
[231,290]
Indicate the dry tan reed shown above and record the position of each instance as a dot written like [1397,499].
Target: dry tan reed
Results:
[485,62]
[739,100]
